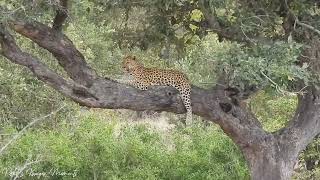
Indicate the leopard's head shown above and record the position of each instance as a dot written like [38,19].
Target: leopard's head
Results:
[130,63]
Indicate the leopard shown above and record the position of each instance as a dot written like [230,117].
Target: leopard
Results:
[143,77]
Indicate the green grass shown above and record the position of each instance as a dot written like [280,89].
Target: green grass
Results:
[120,150]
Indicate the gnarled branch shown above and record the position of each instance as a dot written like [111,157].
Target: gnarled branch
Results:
[60,46]
[11,51]
[105,93]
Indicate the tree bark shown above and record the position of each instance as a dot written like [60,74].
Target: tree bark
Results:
[270,164]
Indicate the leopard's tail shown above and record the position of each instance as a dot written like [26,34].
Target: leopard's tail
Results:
[187,103]
[189,117]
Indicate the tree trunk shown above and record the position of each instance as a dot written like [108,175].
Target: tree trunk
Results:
[270,161]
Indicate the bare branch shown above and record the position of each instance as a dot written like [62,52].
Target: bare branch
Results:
[282,91]
[75,91]
[61,47]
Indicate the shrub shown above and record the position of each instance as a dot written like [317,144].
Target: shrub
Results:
[106,149]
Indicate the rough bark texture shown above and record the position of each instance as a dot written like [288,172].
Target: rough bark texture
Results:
[269,155]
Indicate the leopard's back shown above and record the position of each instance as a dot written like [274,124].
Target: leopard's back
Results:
[164,77]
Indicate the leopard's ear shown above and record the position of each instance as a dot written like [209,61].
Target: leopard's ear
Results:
[134,58]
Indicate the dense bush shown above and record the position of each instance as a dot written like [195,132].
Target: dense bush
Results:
[109,149]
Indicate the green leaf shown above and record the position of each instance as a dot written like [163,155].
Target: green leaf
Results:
[196,15]
[193,27]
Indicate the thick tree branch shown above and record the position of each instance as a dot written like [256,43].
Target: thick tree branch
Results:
[11,51]
[61,16]
[242,126]
[305,124]
[61,47]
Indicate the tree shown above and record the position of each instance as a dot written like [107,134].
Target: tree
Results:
[269,155]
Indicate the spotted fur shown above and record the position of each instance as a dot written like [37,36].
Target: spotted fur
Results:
[143,77]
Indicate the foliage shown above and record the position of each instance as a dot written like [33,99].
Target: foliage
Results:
[306,175]
[261,65]
[273,111]
[104,149]
[309,162]
[170,30]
